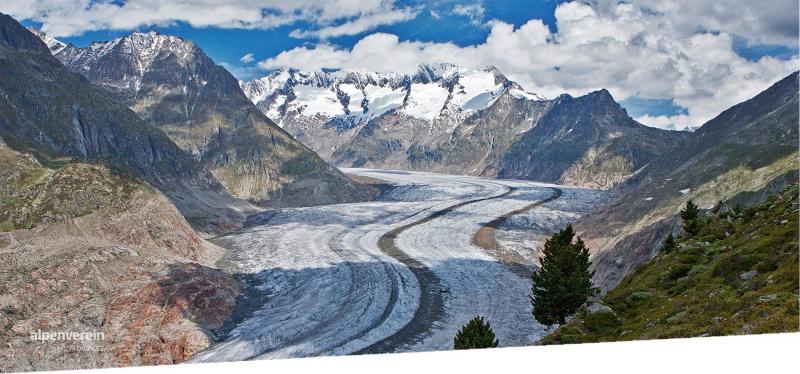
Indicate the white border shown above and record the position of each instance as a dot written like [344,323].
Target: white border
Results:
[769,353]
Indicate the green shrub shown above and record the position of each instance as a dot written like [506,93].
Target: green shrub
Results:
[677,272]
[477,333]
[606,323]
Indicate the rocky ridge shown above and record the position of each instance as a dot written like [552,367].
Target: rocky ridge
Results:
[450,119]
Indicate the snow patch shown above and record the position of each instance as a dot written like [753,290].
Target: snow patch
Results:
[383,99]
[425,101]
[317,100]
[520,94]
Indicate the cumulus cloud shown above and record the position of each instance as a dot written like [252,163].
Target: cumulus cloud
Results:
[74,17]
[634,50]
[248,58]
[773,22]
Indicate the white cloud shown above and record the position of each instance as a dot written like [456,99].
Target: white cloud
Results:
[365,22]
[761,22]
[676,122]
[622,47]
[248,58]
[475,12]
[73,17]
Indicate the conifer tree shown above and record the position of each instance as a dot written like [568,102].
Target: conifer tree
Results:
[690,216]
[477,333]
[564,281]
[669,244]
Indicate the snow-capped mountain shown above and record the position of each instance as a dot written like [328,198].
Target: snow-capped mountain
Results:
[441,118]
[53,44]
[335,113]
[172,84]
[120,65]
[451,119]
[435,91]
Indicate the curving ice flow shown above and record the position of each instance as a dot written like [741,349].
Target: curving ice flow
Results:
[329,289]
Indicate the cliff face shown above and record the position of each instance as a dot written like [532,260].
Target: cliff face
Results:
[57,115]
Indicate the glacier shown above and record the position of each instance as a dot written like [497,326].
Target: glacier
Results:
[330,289]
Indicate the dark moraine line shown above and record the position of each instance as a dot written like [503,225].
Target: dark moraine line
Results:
[485,237]
[431,305]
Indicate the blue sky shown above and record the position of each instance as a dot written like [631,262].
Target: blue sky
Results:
[289,33]
[229,45]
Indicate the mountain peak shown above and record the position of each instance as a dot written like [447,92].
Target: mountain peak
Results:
[430,72]
[53,44]
[16,36]
[154,36]
[601,94]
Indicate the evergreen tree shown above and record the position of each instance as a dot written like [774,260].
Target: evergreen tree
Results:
[564,281]
[475,334]
[690,216]
[669,244]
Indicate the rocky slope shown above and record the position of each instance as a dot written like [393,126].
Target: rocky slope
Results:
[588,141]
[88,249]
[449,119]
[173,85]
[56,115]
[88,241]
[750,148]
[739,275]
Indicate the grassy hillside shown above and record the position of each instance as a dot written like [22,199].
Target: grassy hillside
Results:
[739,275]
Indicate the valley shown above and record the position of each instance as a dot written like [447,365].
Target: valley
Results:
[336,212]
[347,278]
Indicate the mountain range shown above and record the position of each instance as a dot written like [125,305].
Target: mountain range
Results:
[455,120]
[451,119]
[171,84]
[481,123]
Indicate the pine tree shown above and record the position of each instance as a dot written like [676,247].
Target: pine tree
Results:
[564,281]
[690,216]
[475,334]
[669,244]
